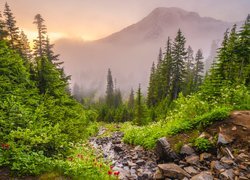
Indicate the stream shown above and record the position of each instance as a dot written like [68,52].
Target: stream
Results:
[133,162]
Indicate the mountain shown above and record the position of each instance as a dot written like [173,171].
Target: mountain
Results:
[130,52]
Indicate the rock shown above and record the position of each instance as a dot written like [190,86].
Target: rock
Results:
[205,175]
[205,156]
[164,151]
[131,164]
[172,170]
[135,157]
[234,128]
[116,141]
[118,148]
[194,159]
[216,166]
[187,150]
[227,161]
[205,135]
[224,139]
[227,174]
[140,162]
[242,156]
[241,118]
[190,170]
[138,148]
[243,178]
[158,175]
[241,166]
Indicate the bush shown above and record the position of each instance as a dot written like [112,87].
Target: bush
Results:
[203,144]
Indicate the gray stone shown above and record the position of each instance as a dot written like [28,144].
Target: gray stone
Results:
[227,161]
[216,166]
[140,162]
[172,170]
[194,159]
[224,139]
[158,175]
[190,170]
[227,174]
[205,156]
[205,135]
[131,164]
[164,151]
[187,150]
[205,175]
[118,148]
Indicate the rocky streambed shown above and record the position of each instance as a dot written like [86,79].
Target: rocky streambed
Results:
[133,162]
[229,159]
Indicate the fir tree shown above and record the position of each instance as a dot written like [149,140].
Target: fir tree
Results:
[110,90]
[243,52]
[3,30]
[198,69]
[117,98]
[40,42]
[25,49]
[151,98]
[166,70]
[131,101]
[139,108]
[12,29]
[189,66]
[179,55]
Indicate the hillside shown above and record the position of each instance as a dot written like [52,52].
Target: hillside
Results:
[134,48]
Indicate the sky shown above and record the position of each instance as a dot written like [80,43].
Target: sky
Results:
[95,19]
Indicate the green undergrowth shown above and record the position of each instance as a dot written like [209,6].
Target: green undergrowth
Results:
[146,136]
[190,113]
[81,163]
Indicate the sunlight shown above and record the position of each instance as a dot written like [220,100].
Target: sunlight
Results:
[52,35]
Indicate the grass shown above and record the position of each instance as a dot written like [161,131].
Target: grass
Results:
[146,136]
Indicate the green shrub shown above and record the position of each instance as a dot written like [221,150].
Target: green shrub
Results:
[202,144]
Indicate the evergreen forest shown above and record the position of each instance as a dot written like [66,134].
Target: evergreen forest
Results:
[45,126]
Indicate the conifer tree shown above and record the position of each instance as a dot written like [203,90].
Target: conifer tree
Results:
[139,108]
[179,56]
[12,29]
[166,70]
[131,101]
[159,60]
[198,69]
[110,90]
[3,31]
[151,97]
[243,51]
[40,42]
[117,98]
[25,49]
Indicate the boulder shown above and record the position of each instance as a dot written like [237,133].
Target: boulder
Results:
[205,175]
[187,150]
[164,151]
[172,170]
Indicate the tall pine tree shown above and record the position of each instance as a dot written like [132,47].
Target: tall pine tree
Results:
[179,55]
[12,29]
[110,90]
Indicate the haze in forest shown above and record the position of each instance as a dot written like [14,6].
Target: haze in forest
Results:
[92,36]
